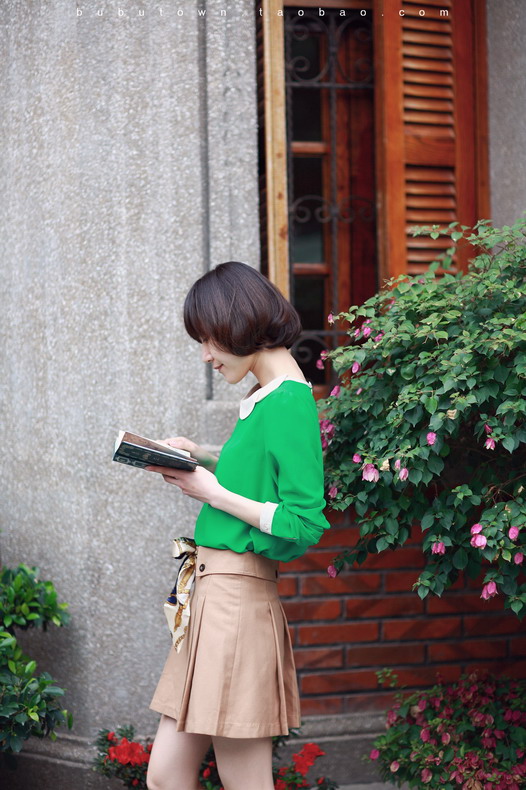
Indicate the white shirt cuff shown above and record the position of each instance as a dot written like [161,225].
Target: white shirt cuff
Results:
[267,514]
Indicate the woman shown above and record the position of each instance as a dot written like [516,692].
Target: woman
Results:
[233,681]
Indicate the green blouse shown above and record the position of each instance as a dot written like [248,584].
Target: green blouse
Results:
[273,456]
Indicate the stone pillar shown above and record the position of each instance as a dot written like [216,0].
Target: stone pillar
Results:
[129,167]
[507,99]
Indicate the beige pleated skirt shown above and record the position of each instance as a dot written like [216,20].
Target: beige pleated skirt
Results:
[234,675]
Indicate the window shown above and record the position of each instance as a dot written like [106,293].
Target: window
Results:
[369,124]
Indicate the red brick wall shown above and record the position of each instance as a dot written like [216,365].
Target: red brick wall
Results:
[344,629]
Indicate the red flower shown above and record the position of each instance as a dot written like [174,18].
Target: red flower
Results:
[110,736]
[206,773]
[306,758]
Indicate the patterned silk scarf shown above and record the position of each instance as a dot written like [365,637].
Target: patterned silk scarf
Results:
[177,605]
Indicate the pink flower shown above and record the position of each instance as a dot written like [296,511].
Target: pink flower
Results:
[324,354]
[425,735]
[478,541]
[487,428]
[421,705]
[446,737]
[367,331]
[489,444]
[330,318]
[371,473]
[319,364]
[357,458]
[375,754]
[513,533]
[397,464]
[518,558]
[327,429]
[395,765]
[476,528]
[404,473]
[368,320]
[378,337]
[438,548]
[335,391]
[431,438]
[489,590]
[357,332]
[355,367]
[360,389]
[332,572]
[333,492]
[426,775]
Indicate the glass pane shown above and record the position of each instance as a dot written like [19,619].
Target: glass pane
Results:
[306,114]
[309,300]
[308,211]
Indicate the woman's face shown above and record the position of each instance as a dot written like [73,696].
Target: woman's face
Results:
[232,367]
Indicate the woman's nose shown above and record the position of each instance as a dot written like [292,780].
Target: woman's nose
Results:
[206,356]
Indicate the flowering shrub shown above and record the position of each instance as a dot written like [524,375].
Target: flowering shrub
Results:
[121,757]
[428,423]
[469,734]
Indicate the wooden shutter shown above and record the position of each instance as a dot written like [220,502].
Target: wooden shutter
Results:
[431,129]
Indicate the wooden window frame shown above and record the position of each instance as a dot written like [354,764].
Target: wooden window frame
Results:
[387,180]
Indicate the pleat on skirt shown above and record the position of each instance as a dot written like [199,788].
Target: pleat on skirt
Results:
[234,675]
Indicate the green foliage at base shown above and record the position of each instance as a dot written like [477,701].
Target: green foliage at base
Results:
[30,703]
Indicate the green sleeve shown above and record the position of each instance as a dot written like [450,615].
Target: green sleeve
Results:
[293,450]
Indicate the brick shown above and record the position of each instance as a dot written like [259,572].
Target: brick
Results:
[339,537]
[438,628]
[342,518]
[468,649]
[384,655]
[312,561]
[372,701]
[322,706]
[287,586]
[323,658]
[490,625]
[345,583]
[338,682]
[297,611]
[518,646]
[427,676]
[512,669]
[400,581]
[337,634]
[463,602]
[405,557]
[388,606]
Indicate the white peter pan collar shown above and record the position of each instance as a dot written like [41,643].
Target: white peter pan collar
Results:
[246,406]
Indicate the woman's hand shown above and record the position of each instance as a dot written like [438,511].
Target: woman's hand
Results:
[199,484]
[203,456]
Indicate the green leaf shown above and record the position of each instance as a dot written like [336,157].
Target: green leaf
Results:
[427,521]
[431,404]
[460,559]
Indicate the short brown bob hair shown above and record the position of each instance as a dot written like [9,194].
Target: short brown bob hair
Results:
[239,310]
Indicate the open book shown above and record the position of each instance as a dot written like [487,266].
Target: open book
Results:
[138,451]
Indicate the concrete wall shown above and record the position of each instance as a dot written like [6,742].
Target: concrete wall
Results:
[129,167]
[507,100]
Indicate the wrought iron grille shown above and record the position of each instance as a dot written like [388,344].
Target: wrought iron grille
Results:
[319,76]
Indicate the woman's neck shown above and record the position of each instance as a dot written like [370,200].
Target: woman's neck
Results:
[270,363]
